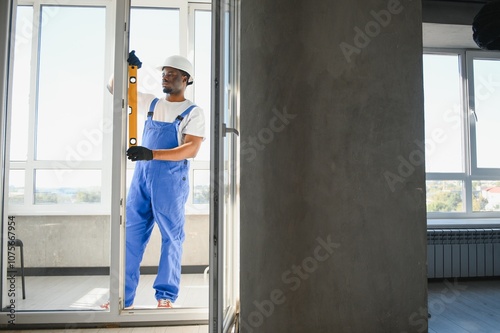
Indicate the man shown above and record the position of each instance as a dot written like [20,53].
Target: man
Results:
[173,132]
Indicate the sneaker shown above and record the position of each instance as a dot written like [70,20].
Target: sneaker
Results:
[164,304]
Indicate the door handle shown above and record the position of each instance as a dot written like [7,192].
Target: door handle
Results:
[226,130]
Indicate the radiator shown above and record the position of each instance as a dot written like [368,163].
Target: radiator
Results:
[463,253]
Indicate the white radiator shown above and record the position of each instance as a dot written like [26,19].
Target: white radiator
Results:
[463,253]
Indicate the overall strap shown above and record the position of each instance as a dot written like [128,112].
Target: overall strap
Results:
[152,107]
[185,113]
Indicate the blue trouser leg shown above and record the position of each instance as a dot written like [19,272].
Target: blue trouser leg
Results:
[139,225]
[168,200]
[169,271]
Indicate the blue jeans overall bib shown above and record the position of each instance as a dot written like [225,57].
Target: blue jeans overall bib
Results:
[158,192]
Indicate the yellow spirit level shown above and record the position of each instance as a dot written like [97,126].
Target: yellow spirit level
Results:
[132,106]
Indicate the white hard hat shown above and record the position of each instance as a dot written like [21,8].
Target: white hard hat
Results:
[179,62]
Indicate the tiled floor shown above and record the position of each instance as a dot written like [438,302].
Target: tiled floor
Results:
[89,292]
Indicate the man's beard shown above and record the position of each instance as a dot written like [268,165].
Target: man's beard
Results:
[167,90]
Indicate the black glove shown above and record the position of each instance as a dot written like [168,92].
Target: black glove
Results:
[133,60]
[139,153]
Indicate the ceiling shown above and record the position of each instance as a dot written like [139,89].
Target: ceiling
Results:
[448,36]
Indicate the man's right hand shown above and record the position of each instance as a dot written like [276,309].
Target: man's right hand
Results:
[133,60]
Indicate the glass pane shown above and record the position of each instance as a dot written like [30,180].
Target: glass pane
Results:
[16,187]
[445,196]
[443,114]
[71,84]
[148,26]
[68,187]
[66,255]
[21,84]
[201,187]
[486,196]
[154,35]
[202,69]
[487,101]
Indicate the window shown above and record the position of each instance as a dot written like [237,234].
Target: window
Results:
[61,126]
[462,94]
[485,88]
[57,136]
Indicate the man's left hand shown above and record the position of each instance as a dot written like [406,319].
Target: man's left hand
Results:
[139,153]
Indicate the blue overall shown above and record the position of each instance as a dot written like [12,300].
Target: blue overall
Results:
[158,192]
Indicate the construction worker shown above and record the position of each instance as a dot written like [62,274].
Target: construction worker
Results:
[173,133]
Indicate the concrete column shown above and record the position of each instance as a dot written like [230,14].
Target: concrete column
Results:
[333,224]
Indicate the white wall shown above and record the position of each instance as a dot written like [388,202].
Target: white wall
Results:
[84,241]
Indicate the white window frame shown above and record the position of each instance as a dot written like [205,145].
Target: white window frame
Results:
[471,171]
[471,56]
[192,208]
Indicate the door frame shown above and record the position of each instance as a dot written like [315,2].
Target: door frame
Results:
[76,319]
[219,320]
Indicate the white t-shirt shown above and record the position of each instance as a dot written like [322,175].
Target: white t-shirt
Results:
[192,124]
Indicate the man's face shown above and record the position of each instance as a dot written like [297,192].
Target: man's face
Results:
[172,80]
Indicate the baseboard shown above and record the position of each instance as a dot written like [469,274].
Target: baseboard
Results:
[191,269]
[73,271]
[465,279]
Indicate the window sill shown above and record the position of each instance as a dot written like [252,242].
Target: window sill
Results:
[463,223]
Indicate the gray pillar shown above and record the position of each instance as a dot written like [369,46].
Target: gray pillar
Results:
[333,225]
